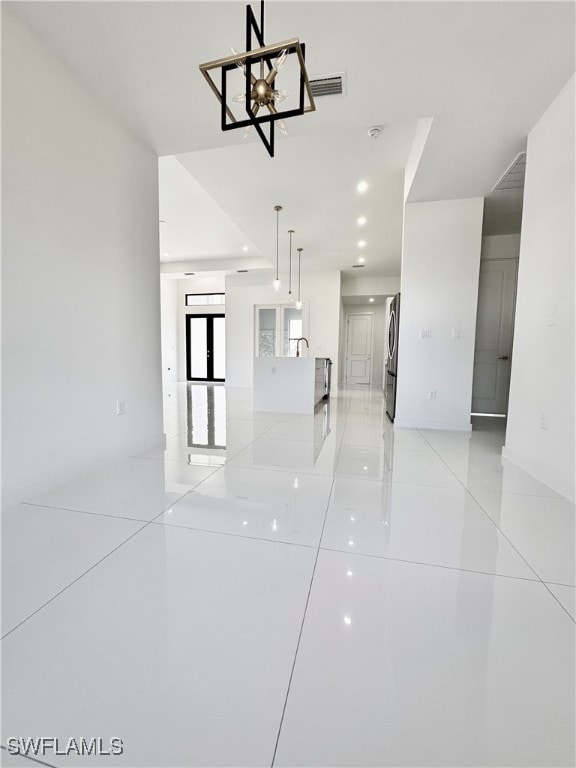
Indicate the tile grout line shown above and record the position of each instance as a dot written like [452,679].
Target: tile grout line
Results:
[216,469]
[559,602]
[98,514]
[228,533]
[482,508]
[180,496]
[305,612]
[432,565]
[89,512]
[122,543]
[472,496]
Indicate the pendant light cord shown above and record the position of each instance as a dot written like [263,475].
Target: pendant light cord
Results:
[277,235]
[299,299]
[290,232]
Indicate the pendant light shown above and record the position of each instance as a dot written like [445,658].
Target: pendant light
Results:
[299,302]
[290,232]
[276,283]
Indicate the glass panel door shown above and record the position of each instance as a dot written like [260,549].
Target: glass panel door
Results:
[197,347]
[219,348]
[205,347]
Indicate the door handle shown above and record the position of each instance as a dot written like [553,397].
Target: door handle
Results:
[503,357]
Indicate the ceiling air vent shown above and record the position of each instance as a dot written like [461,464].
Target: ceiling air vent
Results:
[328,85]
[358,266]
[513,178]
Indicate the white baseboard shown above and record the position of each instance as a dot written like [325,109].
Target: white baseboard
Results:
[453,426]
[547,475]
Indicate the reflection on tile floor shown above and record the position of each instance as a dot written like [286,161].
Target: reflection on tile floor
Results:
[271,589]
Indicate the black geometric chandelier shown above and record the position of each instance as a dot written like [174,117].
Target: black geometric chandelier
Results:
[261,98]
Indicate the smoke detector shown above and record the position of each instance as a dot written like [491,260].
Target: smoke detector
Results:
[375,131]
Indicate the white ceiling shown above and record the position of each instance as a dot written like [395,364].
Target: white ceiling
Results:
[314,178]
[484,71]
[192,225]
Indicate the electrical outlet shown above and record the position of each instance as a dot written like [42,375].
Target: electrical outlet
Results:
[425,333]
[431,394]
[552,318]
[544,420]
[120,407]
[455,333]
[273,369]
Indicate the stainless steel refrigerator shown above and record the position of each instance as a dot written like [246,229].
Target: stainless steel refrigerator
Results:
[392,364]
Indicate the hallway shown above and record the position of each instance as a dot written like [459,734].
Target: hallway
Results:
[323,591]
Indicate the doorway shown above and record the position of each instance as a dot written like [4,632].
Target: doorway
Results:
[494,335]
[205,347]
[359,349]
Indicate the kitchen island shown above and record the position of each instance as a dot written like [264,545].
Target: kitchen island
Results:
[290,384]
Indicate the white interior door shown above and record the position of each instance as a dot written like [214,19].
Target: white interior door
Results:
[494,334]
[359,349]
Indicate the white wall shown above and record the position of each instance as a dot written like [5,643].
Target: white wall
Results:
[544,343]
[320,291]
[418,144]
[81,295]
[370,286]
[169,327]
[500,247]
[439,293]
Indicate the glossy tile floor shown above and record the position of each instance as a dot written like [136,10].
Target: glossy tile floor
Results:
[286,590]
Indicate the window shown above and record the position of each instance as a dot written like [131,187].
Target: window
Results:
[277,328]
[204,299]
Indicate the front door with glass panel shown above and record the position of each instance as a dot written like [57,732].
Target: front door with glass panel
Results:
[205,348]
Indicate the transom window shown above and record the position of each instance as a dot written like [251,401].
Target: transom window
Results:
[204,299]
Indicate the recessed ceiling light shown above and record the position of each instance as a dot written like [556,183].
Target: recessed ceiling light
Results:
[370,299]
[361,221]
[361,243]
[361,260]
[161,221]
[362,187]
[245,248]
[167,255]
